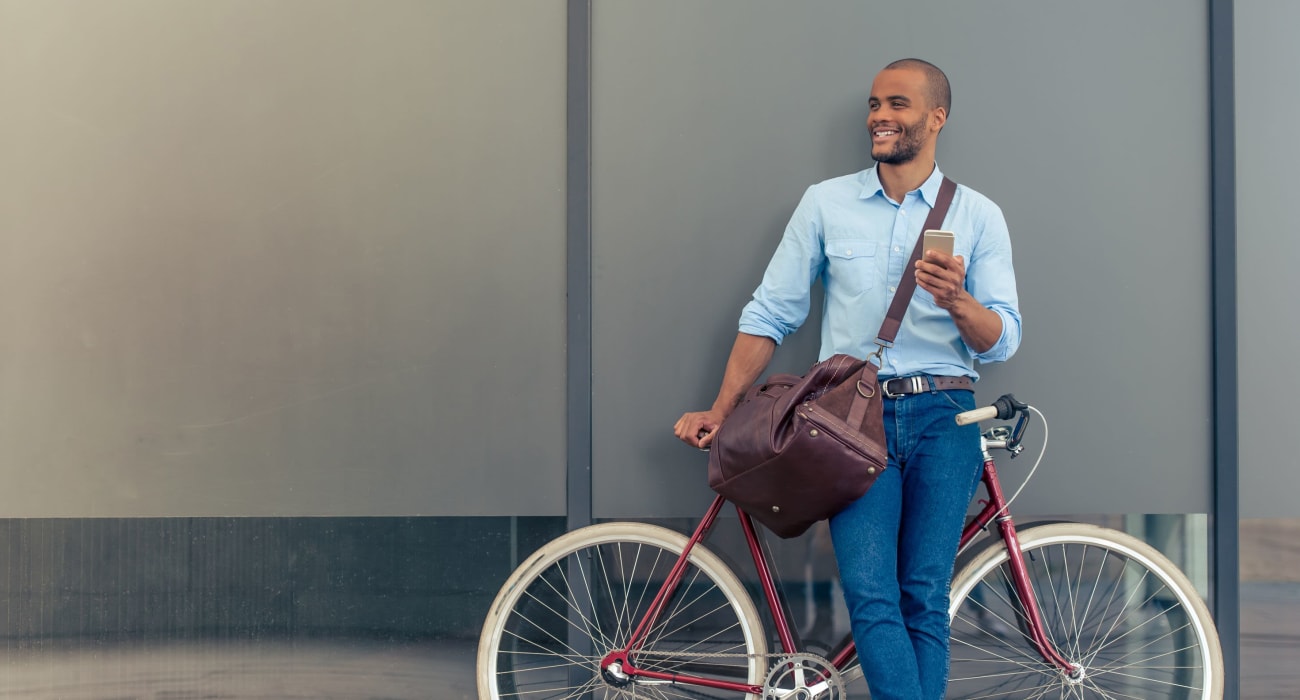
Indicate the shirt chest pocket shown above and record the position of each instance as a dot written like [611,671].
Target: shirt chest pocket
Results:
[851,265]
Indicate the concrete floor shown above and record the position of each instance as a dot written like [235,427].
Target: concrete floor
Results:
[444,670]
[248,671]
[1270,641]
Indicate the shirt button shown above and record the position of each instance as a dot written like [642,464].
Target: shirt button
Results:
[903,212]
[893,289]
[849,251]
[897,248]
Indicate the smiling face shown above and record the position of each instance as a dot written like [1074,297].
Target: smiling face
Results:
[903,121]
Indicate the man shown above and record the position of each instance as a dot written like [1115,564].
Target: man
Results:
[896,545]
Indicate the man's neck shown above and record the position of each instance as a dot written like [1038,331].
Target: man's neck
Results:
[897,179]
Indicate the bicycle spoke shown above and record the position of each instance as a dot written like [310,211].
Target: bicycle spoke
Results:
[661,626]
[1038,692]
[1078,618]
[1119,617]
[1154,641]
[1124,621]
[1043,691]
[1110,598]
[1096,585]
[591,625]
[1110,695]
[562,661]
[620,611]
[691,652]
[573,653]
[626,623]
[598,584]
[1134,629]
[1072,595]
[591,685]
[1144,679]
[975,623]
[688,624]
[588,626]
[563,693]
[991,656]
[1021,667]
[553,666]
[565,595]
[1049,629]
[1103,671]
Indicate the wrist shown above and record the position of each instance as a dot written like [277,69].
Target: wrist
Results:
[965,307]
[724,405]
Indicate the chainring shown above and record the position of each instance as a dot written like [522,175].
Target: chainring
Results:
[803,677]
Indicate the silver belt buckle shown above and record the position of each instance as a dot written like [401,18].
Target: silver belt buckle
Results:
[918,385]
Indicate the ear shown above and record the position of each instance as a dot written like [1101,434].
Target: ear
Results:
[938,117]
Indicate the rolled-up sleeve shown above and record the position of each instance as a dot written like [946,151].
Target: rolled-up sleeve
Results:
[780,304]
[991,279]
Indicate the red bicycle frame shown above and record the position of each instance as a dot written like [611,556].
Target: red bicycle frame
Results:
[994,509]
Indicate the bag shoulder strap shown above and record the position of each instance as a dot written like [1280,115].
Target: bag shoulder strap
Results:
[906,286]
[898,306]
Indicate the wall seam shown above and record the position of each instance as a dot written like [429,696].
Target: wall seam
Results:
[1223,275]
[578,352]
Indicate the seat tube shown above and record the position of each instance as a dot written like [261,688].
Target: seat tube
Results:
[768,583]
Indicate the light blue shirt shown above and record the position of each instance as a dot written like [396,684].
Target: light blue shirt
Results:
[846,232]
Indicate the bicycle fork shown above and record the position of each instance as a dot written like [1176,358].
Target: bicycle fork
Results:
[996,509]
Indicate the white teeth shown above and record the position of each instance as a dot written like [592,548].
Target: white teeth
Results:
[885,133]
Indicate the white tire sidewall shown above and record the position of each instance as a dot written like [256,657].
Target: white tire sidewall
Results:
[602,533]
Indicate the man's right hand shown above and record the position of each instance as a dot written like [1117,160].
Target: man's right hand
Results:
[697,429]
[749,356]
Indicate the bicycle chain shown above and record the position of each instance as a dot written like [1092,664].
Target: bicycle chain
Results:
[773,663]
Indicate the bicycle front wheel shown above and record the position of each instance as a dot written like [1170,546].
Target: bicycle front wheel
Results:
[1130,621]
[583,594]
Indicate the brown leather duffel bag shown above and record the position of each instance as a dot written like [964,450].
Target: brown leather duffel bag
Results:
[793,453]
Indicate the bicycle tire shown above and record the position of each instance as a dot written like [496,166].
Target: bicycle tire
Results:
[1110,603]
[554,619]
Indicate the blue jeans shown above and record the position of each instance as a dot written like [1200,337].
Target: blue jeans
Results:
[896,545]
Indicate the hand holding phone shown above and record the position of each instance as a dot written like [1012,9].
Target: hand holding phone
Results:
[935,239]
[944,280]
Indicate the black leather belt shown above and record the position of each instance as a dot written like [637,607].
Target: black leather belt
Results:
[923,383]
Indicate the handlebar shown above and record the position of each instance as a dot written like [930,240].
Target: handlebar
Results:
[1005,437]
[1004,408]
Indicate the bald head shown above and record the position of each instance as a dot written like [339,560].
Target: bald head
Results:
[937,89]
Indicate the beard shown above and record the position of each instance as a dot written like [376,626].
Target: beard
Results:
[906,146]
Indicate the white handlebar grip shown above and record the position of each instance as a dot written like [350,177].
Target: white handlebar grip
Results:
[977,415]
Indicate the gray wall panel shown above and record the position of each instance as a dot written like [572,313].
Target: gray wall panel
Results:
[1268,96]
[291,258]
[710,119]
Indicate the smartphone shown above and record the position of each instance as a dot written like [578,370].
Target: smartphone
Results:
[937,240]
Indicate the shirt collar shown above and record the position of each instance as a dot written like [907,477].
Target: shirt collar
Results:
[929,189]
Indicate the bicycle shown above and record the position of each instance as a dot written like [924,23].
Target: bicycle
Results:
[1051,609]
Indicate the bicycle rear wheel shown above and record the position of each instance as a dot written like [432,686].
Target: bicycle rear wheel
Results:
[1110,603]
[583,594]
